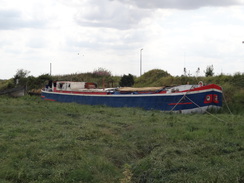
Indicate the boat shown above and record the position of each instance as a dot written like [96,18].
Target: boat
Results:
[14,92]
[187,98]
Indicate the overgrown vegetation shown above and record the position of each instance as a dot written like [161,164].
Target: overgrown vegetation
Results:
[126,81]
[43,141]
[233,85]
[21,78]
[209,71]
[152,78]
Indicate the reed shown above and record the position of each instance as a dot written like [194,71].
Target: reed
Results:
[45,141]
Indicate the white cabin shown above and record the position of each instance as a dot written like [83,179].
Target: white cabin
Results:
[69,85]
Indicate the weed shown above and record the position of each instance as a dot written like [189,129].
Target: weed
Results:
[43,141]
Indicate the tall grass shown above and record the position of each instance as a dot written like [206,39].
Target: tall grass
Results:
[233,85]
[44,141]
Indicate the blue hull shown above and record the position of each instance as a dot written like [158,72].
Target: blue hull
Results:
[164,102]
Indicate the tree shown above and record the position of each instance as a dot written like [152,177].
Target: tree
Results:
[38,82]
[209,71]
[20,78]
[127,80]
[101,72]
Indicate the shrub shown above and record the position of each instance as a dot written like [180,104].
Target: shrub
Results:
[101,72]
[151,77]
[209,71]
[20,78]
[127,80]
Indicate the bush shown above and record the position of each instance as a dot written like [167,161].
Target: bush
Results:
[209,71]
[151,78]
[237,102]
[127,80]
[20,78]
[6,84]
[39,82]
[101,72]
[238,80]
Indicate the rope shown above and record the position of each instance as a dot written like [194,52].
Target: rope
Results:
[184,96]
[226,104]
[206,110]
[178,103]
[181,99]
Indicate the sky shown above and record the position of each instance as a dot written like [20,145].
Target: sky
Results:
[78,36]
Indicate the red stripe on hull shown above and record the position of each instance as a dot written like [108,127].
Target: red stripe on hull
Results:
[89,93]
[180,103]
[49,99]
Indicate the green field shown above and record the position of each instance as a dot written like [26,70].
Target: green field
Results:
[43,141]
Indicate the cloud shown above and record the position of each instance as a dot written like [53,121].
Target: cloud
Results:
[130,14]
[181,4]
[110,34]
[13,19]
[110,14]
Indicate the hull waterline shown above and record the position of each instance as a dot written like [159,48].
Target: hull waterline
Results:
[185,102]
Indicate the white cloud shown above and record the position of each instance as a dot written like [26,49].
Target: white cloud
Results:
[179,4]
[13,19]
[110,34]
[110,14]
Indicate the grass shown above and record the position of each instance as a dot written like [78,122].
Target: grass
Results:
[43,141]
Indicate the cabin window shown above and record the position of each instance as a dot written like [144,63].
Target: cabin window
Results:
[60,86]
